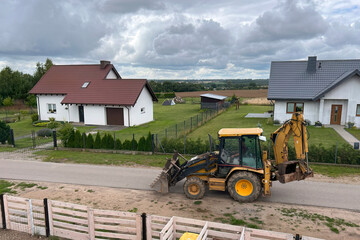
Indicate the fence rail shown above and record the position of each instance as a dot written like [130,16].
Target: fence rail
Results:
[74,221]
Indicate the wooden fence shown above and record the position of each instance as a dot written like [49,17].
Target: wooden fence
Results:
[73,221]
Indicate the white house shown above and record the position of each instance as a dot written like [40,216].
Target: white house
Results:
[327,91]
[93,94]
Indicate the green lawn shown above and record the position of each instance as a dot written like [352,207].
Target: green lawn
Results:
[335,171]
[236,119]
[104,158]
[354,132]
[23,127]
[164,117]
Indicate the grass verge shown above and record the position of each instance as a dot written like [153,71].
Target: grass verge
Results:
[335,171]
[6,187]
[103,158]
[355,132]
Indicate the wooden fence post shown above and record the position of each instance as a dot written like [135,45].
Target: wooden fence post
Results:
[6,211]
[148,227]
[30,217]
[138,226]
[91,223]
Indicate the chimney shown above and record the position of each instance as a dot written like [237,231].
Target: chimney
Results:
[311,65]
[104,63]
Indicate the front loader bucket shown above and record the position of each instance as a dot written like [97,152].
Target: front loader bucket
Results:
[162,182]
[292,171]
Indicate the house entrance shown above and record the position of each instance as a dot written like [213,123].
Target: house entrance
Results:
[115,116]
[81,114]
[335,117]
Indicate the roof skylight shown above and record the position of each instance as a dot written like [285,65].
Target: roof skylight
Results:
[85,85]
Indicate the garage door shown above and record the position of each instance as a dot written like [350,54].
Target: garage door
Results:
[115,116]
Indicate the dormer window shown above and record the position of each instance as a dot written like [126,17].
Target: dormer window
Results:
[85,85]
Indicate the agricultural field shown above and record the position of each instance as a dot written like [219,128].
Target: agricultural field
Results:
[258,93]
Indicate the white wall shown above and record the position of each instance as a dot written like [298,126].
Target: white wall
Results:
[144,100]
[350,90]
[111,75]
[311,111]
[44,114]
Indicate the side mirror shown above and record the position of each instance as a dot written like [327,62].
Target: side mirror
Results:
[262,138]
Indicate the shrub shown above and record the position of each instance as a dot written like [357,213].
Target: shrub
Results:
[307,122]
[148,142]
[41,124]
[34,117]
[118,144]
[142,144]
[89,141]
[4,132]
[78,141]
[107,141]
[97,143]
[45,132]
[169,95]
[127,145]
[134,145]
[53,125]
[65,133]
[318,123]
[350,124]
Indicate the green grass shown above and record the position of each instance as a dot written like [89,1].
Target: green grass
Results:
[335,171]
[236,119]
[6,187]
[23,127]
[164,117]
[354,131]
[24,185]
[103,158]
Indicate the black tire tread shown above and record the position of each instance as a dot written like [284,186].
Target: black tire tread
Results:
[252,177]
[201,184]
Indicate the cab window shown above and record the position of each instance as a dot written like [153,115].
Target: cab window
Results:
[251,152]
[230,151]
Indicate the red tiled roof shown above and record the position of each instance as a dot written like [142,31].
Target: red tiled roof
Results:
[68,80]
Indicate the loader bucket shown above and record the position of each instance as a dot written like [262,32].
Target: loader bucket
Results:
[162,182]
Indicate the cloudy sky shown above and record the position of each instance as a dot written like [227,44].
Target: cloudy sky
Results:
[182,39]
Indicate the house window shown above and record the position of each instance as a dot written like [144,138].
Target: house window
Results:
[358,110]
[51,108]
[292,107]
[85,85]
[143,110]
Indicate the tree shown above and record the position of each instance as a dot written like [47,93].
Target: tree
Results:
[97,143]
[7,102]
[41,69]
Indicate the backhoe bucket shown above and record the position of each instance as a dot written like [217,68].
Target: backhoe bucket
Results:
[293,171]
[162,182]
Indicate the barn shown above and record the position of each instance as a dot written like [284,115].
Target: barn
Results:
[93,94]
[212,101]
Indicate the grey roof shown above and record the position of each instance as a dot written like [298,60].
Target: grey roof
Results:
[290,79]
[214,96]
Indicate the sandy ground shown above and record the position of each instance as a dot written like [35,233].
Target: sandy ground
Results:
[256,101]
[221,208]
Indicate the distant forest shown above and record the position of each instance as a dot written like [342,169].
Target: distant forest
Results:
[204,84]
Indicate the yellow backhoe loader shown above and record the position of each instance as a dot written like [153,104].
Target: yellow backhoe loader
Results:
[240,167]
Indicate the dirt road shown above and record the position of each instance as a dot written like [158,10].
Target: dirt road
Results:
[323,194]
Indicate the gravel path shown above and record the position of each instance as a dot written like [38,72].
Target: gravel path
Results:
[13,235]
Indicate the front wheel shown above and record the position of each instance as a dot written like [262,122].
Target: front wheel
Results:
[194,188]
[244,186]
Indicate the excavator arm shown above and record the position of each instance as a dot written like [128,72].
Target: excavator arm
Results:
[298,169]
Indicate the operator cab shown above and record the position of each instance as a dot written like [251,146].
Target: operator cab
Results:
[239,147]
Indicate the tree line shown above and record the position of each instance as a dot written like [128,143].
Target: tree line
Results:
[204,85]
[16,85]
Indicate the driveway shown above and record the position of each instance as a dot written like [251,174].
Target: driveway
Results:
[345,196]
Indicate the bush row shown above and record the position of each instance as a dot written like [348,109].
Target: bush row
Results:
[165,95]
[74,139]
[345,154]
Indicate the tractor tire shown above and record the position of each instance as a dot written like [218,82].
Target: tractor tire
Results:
[194,188]
[244,186]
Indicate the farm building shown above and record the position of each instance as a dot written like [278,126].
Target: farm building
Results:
[212,101]
[324,90]
[93,94]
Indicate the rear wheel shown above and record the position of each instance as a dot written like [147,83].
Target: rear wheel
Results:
[244,186]
[194,188]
